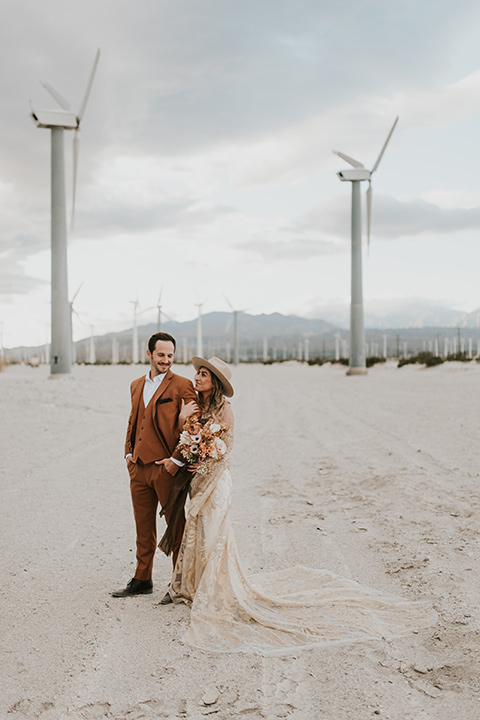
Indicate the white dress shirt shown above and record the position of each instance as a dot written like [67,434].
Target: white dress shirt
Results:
[151,386]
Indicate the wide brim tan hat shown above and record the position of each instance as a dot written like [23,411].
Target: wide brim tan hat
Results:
[219,368]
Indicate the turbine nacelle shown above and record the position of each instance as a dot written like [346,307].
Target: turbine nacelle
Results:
[65,119]
[356,175]
[55,119]
[360,173]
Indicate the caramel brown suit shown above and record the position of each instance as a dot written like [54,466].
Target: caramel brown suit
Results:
[152,434]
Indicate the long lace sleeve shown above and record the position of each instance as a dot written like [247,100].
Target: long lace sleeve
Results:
[229,419]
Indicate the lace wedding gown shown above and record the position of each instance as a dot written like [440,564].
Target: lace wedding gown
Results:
[270,612]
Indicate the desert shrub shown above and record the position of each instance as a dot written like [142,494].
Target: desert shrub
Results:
[434,360]
[423,358]
[458,357]
[407,361]
[429,359]
[317,361]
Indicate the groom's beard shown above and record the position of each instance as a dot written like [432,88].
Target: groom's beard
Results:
[161,368]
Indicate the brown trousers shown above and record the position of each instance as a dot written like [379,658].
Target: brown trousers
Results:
[150,484]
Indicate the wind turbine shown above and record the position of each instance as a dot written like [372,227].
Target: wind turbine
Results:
[199,329]
[72,313]
[115,351]
[306,352]
[2,351]
[235,330]
[92,357]
[57,121]
[135,333]
[159,312]
[356,176]
[136,313]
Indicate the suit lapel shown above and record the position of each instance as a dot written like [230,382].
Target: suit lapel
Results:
[163,386]
[136,399]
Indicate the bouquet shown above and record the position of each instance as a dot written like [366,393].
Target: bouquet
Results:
[202,443]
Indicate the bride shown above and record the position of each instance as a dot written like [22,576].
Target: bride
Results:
[269,612]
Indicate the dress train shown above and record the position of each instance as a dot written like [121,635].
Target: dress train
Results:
[271,612]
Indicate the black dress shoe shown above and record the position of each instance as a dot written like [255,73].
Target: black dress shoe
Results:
[166,600]
[135,587]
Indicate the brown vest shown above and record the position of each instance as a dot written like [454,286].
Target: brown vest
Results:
[147,446]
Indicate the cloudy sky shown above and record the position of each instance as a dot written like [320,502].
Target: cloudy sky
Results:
[206,163]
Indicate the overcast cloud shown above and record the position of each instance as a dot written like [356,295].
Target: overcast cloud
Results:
[206,148]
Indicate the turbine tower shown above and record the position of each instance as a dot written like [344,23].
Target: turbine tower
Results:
[235,330]
[356,176]
[115,351]
[159,311]
[135,333]
[2,351]
[57,121]
[199,329]
[92,356]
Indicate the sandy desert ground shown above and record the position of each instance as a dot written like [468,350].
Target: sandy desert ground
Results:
[374,477]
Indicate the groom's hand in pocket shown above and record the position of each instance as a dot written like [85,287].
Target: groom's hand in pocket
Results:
[169,465]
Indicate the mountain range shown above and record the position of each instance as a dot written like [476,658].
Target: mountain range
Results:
[279,336]
[416,313]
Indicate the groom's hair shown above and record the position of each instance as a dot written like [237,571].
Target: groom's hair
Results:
[161,336]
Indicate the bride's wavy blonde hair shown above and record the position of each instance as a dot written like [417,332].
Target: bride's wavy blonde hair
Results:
[216,399]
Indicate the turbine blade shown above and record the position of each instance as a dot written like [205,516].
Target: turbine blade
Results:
[89,87]
[56,96]
[229,323]
[228,301]
[75,170]
[369,212]
[160,297]
[385,146]
[78,290]
[348,159]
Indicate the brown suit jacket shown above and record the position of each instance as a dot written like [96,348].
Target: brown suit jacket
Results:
[165,407]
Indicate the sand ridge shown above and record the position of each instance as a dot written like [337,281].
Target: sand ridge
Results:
[375,478]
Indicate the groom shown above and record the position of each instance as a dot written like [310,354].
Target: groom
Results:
[152,461]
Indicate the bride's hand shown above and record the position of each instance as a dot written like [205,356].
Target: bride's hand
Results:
[186,410]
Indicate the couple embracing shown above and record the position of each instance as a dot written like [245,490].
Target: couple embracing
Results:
[169,424]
